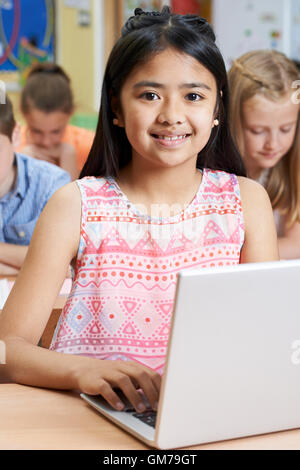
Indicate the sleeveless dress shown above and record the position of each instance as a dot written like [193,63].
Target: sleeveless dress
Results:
[123,289]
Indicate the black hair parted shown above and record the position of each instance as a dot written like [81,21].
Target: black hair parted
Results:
[144,19]
[143,36]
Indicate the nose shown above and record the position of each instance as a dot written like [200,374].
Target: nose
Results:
[271,142]
[46,141]
[170,113]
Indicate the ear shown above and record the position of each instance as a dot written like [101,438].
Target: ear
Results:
[116,108]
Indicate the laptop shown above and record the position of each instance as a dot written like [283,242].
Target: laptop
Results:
[233,359]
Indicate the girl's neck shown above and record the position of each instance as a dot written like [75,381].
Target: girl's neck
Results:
[255,175]
[160,185]
[254,172]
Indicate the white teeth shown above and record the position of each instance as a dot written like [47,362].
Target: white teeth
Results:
[175,137]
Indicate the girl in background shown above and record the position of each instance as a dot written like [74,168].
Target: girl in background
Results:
[265,127]
[163,189]
[47,106]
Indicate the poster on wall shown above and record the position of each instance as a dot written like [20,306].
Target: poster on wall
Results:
[26,34]
[267,24]
[195,7]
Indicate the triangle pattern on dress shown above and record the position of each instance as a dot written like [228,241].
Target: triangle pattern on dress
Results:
[213,233]
[166,308]
[129,330]
[95,330]
[62,332]
[114,240]
[147,244]
[164,330]
[129,305]
[96,304]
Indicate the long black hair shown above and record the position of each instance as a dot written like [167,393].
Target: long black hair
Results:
[143,35]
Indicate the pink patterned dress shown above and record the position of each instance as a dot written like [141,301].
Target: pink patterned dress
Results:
[121,301]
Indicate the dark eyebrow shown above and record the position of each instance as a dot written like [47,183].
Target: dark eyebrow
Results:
[145,83]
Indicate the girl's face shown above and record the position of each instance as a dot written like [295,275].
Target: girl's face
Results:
[46,129]
[167,107]
[268,131]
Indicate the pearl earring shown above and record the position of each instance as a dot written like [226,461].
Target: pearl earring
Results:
[116,121]
[216,122]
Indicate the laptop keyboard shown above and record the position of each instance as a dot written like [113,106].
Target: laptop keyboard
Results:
[148,417]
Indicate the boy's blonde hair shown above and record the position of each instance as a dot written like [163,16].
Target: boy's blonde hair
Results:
[271,75]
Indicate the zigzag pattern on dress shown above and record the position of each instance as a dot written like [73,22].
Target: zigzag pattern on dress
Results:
[121,302]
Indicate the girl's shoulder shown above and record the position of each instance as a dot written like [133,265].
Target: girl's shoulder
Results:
[251,189]
[255,200]
[66,198]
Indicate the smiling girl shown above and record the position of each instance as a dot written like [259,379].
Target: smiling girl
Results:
[265,126]
[163,190]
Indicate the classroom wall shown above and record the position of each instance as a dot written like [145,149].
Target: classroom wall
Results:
[80,49]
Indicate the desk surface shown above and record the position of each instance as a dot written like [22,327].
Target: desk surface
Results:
[34,418]
[61,298]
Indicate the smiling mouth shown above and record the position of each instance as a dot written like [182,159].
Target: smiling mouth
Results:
[171,138]
[270,155]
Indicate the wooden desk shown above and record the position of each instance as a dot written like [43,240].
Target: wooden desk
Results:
[60,300]
[33,418]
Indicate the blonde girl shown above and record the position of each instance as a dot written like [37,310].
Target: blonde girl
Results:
[265,127]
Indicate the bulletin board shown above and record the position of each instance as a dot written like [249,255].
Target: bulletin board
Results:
[26,33]
[264,24]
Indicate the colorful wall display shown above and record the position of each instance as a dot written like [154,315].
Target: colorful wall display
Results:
[26,33]
[264,24]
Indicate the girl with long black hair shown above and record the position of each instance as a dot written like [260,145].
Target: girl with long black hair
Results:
[163,189]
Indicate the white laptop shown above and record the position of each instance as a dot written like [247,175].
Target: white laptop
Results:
[233,360]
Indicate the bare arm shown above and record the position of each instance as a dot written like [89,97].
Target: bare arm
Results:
[54,244]
[12,255]
[260,231]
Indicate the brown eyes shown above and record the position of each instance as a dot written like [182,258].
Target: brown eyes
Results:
[150,96]
[194,97]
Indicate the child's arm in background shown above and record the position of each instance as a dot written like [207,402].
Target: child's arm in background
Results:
[54,244]
[6,270]
[289,243]
[260,231]
[63,155]
[11,257]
